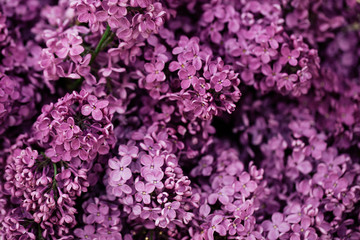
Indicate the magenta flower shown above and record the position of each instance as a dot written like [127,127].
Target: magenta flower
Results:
[289,56]
[94,108]
[223,195]
[154,177]
[121,171]
[170,209]
[155,72]
[131,151]
[97,212]
[187,76]
[219,81]
[264,52]
[150,146]
[151,163]
[88,233]
[86,13]
[200,85]
[71,45]
[335,184]
[144,191]
[276,226]
[217,225]
[70,128]
[245,185]
[272,75]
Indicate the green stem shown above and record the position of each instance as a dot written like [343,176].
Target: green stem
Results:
[54,181]
[40,237]
[100,44]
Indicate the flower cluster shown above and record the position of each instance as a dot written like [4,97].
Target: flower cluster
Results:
[168,119]
[46,173]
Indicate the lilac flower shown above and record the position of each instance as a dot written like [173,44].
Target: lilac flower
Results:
[70,128]
[276,227]
[200,85]
[217,225]
[86,13]
[223,195]
[144,191]
[289,56]
[87,233]
[121,171]
[155,72]
[220,81]
[245,185]
[71,45]
[97,213]
[151,163]
[187,76]
[94,108]
[335,184]
[169,209]
[265,53]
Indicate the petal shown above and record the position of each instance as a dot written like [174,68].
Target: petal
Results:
[185,84]
[102,104]
[126,174]
[221,230]
[267,225]
[159,65]
[304,167]
[92,208]
[251,186]
[284,227]
[149,67]
[277,218]
[114,164]
[97,114]
[125,161]
[216,220]
[213,198]
[139,186]
[86,110]
[76,50]
[273,234]
[115,175]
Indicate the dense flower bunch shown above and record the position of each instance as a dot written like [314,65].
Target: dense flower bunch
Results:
[47,172]
[167,119]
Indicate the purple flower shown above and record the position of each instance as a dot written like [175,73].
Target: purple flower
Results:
[217,225]
[70,128]
[223,195]
[152,163]
[155,72]
[121,171]
[88,233]
[276,226]
[150,146]
[219,81]
[335,184]
[265,53]
[144,191]
[97,212]
[71,45]
[289,56]
[86,13]
[187,76]
[200,85]
[169,209]
[94,108]
[245,185]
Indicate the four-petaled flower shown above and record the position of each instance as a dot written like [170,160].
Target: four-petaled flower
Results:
[276,226]
[94,108]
